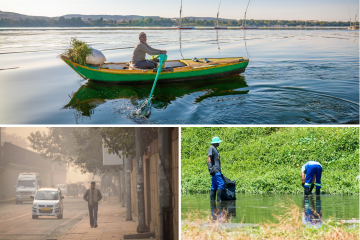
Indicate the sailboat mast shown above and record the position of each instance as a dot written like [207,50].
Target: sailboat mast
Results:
[355,23]
[180,14]
[217,17]
[245,14]
[349,15]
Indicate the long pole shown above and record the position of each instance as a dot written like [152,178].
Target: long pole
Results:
[180,13]
[217,17]
[355,23]
[245,13]
[128,189]
[349,15]
[165,190]
[140,180]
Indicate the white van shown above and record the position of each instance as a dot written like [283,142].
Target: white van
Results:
[26,186]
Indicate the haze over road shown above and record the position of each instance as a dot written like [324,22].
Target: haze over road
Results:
[16,221]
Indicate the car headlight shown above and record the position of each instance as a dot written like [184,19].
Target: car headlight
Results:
[56,205]
[35,205]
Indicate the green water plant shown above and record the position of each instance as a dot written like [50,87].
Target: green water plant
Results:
[78,51]
[269,160]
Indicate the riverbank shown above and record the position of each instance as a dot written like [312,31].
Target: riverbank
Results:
[170,28]
[269,160]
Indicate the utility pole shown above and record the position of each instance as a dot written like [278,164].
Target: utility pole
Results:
[128,189]
[165,189]
[140,180]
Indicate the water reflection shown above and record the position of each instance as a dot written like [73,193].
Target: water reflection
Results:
[311,211]
[222,211]
[91,95]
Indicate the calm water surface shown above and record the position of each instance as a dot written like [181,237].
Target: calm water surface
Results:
[294,77]
[251,208]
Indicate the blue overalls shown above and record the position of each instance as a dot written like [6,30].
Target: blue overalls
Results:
[312,168]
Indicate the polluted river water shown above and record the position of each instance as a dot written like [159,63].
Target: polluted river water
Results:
[262,208]
[293,77]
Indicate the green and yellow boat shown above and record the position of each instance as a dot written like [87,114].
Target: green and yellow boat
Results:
[175,70]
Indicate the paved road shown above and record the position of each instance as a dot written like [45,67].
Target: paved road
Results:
[16,221]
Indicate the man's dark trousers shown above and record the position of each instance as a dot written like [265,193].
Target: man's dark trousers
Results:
[93,214]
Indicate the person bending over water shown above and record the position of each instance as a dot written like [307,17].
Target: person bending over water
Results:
[138,58]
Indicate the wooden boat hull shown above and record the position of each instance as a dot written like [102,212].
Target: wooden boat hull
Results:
[220,28]
[219,67]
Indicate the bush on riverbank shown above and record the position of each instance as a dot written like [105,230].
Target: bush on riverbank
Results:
[289,226]
[269,160]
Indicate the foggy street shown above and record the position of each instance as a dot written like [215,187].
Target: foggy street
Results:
[45,174]
[16,221]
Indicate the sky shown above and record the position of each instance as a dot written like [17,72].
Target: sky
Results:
[325,10]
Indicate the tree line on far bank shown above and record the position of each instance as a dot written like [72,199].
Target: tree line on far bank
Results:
[78,22]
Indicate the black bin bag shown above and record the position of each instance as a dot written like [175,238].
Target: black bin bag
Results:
[229,192]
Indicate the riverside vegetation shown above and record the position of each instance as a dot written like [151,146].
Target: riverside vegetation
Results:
[269,160]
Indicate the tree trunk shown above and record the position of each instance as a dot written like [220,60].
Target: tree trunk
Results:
[140,181]
[165,190]
[120,185]
[123,185]
[128,189]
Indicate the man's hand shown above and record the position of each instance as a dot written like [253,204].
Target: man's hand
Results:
[210,168]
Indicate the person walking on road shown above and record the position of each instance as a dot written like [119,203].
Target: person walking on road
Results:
[93,196]
[214,167]
[312,170]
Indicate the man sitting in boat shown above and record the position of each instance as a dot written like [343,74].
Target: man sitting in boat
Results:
[138,58]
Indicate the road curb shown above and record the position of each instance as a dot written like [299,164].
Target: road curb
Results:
[73,227]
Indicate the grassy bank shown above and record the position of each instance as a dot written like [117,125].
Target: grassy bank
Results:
[289,226]
[269,160]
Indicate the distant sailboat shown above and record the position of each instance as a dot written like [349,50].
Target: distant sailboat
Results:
[217,20]
[243,25]
[354,26]
[180,27]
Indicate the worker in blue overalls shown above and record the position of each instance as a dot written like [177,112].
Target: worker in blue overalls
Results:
[214,167]
[313,171]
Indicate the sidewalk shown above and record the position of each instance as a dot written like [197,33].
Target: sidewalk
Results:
[111,224]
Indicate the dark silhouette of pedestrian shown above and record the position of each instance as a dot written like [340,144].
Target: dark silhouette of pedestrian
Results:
[93,196]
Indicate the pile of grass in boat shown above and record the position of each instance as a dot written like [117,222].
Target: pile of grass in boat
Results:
[78,51]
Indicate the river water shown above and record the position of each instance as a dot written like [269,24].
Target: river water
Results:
[255,209]
[294,77]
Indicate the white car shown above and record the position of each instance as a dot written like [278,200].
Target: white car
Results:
[63,188]
[48,202]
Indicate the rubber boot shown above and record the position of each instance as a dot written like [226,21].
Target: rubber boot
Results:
[306,191]
[317,191]
[311,188]
[219,193]
[213,209]
[212,195]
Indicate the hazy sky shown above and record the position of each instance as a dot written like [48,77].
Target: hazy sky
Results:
[327,10]
[72,174]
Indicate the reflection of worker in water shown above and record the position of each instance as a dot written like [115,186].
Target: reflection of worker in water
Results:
[312,170]
[214,166]
[311,214]
[221,211]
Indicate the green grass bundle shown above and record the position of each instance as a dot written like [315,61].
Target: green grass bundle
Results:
[78,51]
